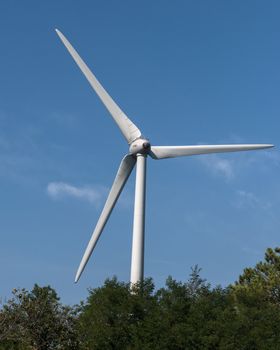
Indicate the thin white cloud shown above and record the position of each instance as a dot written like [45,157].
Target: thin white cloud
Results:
[229,168]
[273,156]
[250,200]
[218,166]
[94,195]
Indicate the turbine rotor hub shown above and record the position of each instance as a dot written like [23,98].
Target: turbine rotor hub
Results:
[140,145]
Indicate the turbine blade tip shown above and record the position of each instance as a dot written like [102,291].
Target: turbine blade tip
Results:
[58,32]
[77,277]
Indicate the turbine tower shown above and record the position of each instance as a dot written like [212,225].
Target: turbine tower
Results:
[139,149]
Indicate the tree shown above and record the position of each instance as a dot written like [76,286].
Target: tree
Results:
[36,320]
[264,277]
[116,317]
[256,301]
[182,315]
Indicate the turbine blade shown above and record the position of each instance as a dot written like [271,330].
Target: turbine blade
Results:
[129,130]
[126,166]
[160,152]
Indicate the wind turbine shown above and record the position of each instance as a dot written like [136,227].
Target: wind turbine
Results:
[139,149]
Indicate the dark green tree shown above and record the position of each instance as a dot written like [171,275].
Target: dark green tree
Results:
[256,301]
[182,315]
[264,277]
[36,320]
[105,317]
[116,317]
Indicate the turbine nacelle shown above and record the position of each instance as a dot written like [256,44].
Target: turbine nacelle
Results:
[140,145]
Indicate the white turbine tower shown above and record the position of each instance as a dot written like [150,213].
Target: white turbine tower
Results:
[139,149]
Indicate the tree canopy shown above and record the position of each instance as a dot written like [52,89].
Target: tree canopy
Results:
[180,315]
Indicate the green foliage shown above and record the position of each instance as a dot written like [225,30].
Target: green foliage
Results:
[36,320]
[182,315]
[118,317]
[264,278]
[256,299]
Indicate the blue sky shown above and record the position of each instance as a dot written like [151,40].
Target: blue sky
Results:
[186,72]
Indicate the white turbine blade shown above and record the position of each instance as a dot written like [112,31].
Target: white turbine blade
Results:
[160,152]
[129,130]
[126,166]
